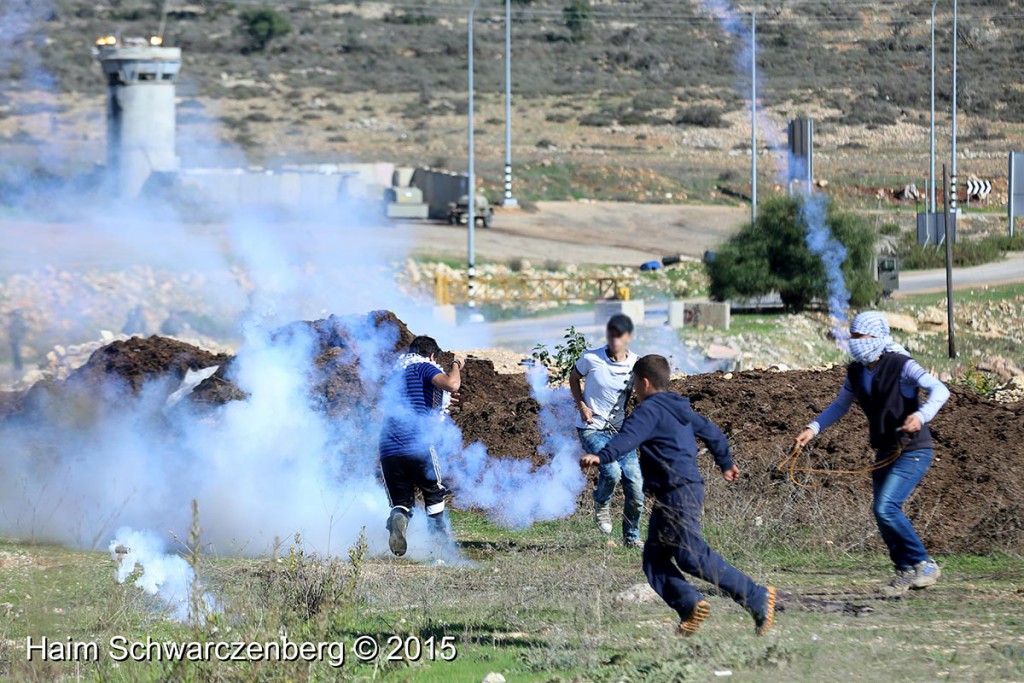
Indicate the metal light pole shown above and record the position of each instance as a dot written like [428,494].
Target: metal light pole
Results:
[932,207]
[509,199]
[952,169]
[753,116]
[471,210]
[949,272]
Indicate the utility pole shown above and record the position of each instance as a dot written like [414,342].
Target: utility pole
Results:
[933,209]
[471,209]
[950,217]
[509,199]
[952,172]
[753,116]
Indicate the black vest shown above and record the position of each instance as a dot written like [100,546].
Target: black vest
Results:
[885,406]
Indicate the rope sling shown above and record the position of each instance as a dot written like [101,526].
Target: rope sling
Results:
[789,466]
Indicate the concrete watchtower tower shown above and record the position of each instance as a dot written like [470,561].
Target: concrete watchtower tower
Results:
[140,109]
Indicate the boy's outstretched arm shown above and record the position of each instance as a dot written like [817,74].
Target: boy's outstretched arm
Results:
[708,432]
[637,428]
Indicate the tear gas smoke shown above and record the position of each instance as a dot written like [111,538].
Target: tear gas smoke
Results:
[832,253]
[819,238]
[512,492]
[143,557]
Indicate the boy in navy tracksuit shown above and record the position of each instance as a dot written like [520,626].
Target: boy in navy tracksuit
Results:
[665,429]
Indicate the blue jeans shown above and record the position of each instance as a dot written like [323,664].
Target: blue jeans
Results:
[892,486]
[626,469]
[675,545]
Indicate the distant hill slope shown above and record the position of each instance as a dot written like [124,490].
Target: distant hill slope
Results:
[867,59]
[373,80]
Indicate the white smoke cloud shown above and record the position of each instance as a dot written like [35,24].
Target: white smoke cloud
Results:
[513,492]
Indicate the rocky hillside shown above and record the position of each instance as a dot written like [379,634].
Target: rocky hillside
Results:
[648,85]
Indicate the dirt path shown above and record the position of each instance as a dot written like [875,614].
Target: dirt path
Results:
[589,232]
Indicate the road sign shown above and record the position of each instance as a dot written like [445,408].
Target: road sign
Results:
[1016,193]
[801,151]
[980,189]
[931,228]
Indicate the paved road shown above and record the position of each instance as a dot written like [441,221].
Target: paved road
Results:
[521,335]
[1001,272]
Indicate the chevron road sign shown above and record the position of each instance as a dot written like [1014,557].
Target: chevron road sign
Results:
[979,188]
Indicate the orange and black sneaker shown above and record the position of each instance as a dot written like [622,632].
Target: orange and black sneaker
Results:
[702,610]
[764,617]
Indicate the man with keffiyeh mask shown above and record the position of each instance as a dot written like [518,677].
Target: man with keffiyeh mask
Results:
[884,380]
[416,401]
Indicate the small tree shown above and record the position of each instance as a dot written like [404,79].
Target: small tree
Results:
[577,19]
[772,256]
[260,26]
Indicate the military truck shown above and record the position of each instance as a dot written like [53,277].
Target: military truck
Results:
[458,212]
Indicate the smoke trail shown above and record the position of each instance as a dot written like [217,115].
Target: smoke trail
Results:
[813,209]
[832,253]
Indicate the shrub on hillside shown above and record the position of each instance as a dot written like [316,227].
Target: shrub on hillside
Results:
[578,16]
[702,115]
[260,26]
[772,255]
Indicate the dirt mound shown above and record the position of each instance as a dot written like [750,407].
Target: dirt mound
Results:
[138,360]
[497,409]
[972,499]
[336,383]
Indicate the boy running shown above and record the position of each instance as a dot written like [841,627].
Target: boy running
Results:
[666,429]
[416,399]
[607,373]
[884,380]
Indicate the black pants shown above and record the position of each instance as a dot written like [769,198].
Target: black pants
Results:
[404,474]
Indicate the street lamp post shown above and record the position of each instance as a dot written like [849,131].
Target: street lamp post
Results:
[753,116]
[471,209]
[932,207]
[509,199]
[952,169]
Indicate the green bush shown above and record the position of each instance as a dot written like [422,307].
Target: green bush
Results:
[772,255]
[702,115]
[260,26]
[598,119]
[578,15]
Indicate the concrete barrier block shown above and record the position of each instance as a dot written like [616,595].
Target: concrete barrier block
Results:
[606,309]
[709,314]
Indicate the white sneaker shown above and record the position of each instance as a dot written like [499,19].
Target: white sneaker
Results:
[603,518]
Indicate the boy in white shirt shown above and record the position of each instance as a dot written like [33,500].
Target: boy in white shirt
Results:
[606,374]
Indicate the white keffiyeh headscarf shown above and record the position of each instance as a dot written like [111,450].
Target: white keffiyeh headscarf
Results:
[878,340]
[442,399]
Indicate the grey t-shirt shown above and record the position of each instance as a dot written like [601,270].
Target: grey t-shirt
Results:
[606,387]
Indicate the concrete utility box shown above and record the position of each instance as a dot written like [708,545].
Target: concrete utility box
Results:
[691,314]
[888,274]
[141,76]
[606,309]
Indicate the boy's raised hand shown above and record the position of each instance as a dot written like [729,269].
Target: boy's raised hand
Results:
[731,474]
[804,437]
[589,461]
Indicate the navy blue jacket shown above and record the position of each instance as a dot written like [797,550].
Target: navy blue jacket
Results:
[665,429]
